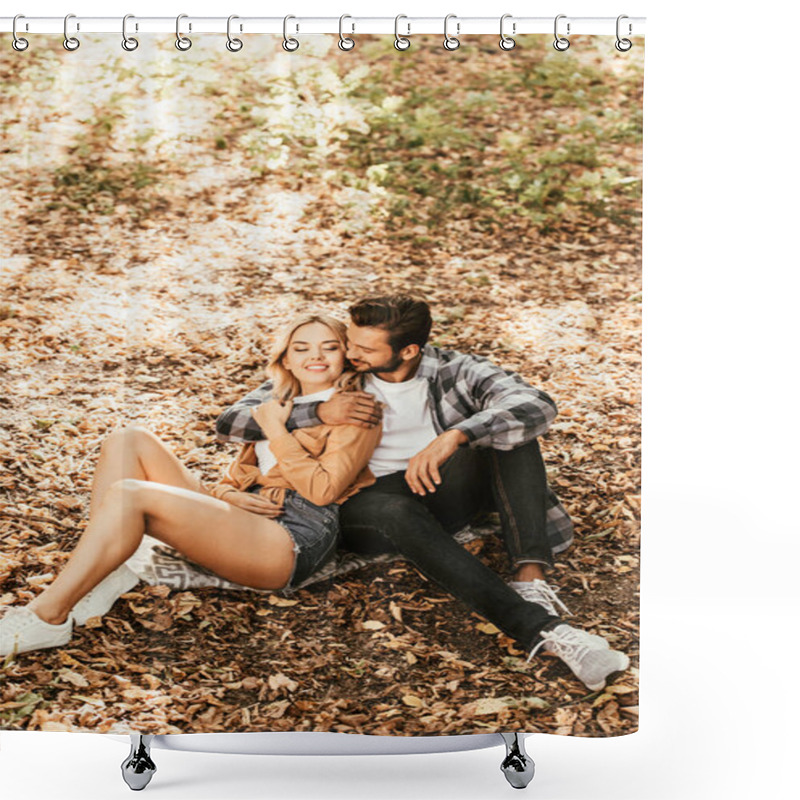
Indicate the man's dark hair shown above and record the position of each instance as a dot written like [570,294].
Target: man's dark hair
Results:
[406,320]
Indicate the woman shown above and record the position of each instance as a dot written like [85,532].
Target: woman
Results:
[271,523]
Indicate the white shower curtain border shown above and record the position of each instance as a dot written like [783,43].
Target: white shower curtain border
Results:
[459,26]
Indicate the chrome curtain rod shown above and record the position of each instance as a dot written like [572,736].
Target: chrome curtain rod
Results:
[407,26]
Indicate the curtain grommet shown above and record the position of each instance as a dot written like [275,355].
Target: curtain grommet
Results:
[233,45]
[346,43]
[623,45]
[290,44]
[560,43]
[450,42]
[70,43]
[506,42]
[401,43]
[18,43]
[182,43]
[128,42]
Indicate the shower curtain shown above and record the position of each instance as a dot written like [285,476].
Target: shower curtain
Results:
[165,213]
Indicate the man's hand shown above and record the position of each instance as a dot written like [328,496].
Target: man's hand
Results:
[351,408]
[254,503]
[423,469]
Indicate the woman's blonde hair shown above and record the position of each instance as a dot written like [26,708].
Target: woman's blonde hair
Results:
[285,385]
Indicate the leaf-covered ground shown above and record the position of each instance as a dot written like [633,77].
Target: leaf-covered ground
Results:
[163,213]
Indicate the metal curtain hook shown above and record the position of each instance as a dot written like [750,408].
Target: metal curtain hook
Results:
[128,42]
[450,42]
[560,43]
[290,44]
[345,42]
[623,45]
[70,42]
[233,45]
[506,42]
[183,43]
[400,42]
[19,44]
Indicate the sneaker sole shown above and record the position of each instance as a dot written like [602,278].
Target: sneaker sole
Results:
[60,643]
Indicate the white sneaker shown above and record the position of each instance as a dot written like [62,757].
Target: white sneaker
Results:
[537,591]
[540,592]
[22,630]
[591,662]
[99,600]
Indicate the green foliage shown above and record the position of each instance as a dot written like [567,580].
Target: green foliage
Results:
[537,144]
[22,707]
[97,188]
[92,181]
[564,81]
[441,154]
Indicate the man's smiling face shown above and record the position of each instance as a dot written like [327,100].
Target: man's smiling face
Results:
[368,350]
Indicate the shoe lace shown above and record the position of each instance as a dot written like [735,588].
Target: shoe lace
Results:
[541,589]
[567,645]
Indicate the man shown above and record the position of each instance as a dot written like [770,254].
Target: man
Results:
[459,437]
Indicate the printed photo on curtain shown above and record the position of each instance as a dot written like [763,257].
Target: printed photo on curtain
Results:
[320,386]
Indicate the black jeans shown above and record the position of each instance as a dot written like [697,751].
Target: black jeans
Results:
[388,517]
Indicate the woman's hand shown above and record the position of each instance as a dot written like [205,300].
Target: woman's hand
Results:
[272,416]
[254,503]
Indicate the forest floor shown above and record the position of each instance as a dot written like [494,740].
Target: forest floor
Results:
[156,233]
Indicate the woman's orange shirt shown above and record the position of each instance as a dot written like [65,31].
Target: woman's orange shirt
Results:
[323,463]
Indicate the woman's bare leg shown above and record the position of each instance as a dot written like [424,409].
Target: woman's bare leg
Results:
[135,452]
[242,547]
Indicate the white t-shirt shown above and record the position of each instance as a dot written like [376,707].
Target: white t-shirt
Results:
[407,422]
[266,460]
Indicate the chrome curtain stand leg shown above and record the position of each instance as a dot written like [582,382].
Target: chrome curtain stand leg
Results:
[138,768]
[517,766]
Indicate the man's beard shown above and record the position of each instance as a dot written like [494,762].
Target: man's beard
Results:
[390,366]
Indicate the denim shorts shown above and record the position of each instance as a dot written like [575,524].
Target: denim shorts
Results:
[315,532]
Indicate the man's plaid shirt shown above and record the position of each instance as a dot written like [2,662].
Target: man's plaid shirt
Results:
[492,406]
